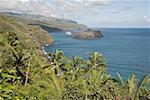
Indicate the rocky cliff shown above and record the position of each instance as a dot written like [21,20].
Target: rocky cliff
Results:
[87,34]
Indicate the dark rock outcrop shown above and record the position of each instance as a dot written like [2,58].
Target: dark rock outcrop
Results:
[87,34]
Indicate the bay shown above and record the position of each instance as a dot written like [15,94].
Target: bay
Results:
[127,50]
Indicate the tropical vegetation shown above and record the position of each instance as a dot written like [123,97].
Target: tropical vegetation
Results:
[27,74]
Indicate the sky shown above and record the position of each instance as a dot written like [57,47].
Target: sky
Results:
[93,13]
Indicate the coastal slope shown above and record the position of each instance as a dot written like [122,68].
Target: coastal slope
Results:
[26,32]
[17,39]
[52,22]
[83,32]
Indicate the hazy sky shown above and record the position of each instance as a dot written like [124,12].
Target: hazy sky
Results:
[94,13]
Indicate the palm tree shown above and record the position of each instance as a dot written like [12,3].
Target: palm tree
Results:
[53,71]
[96,65]
[121,81]
[56,56]
[56,61]
[96,61]
[134,88]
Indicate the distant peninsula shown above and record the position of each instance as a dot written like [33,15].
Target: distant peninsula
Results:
[82,31]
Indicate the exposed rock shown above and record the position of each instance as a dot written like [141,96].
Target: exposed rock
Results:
[87,34]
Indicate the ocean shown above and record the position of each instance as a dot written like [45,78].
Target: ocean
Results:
[126,50]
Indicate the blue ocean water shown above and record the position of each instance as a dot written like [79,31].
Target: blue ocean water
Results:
[127,50]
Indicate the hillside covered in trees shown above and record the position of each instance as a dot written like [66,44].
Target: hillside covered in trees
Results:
[26,74]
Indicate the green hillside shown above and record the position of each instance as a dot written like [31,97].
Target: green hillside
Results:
[30,32]
[51,22]
[26,74]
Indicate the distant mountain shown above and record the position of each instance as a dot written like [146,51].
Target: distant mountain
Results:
[51,22]
[78,30]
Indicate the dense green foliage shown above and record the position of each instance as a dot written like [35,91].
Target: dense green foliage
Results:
[25,73]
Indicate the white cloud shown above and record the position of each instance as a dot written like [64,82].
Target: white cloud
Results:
[23,0]
[58,8]
[94,2]
[146,18]
[85,11]
[126,8]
